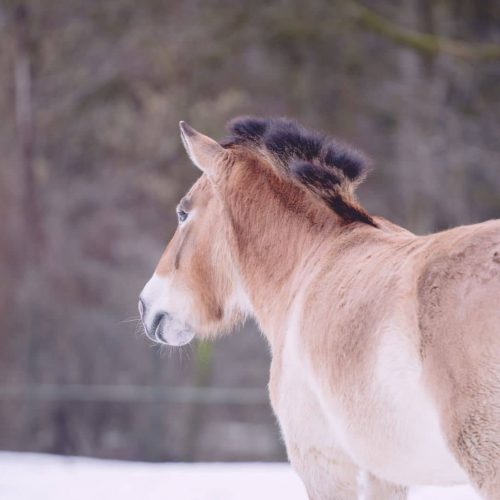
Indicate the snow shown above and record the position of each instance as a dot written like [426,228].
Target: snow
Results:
[25,476]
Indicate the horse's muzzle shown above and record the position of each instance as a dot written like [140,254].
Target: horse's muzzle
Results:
[161,327]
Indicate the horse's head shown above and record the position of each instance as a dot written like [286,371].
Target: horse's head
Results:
[263,192]
[195,287]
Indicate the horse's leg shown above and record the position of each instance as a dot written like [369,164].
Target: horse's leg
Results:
[474,437]
[332,477]
[377,489]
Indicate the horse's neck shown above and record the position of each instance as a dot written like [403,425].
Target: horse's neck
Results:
[272,267]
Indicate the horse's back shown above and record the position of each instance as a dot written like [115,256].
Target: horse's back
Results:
[458,296]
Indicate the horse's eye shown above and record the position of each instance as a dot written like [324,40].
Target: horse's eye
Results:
[181,215]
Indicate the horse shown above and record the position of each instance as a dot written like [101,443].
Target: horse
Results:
[385,345]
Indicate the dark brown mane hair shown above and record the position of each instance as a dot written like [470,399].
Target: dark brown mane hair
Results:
[324,166]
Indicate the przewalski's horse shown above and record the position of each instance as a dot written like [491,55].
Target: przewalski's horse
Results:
[385,345]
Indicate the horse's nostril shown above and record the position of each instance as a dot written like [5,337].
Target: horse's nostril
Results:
[159,324]
[159,330]
[142,308]
[153,323]
[156,325]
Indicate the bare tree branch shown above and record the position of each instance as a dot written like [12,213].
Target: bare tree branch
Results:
[424,43]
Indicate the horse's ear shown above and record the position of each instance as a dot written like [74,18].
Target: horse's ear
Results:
[204,152]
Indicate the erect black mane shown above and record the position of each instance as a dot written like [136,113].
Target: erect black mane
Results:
[326,167]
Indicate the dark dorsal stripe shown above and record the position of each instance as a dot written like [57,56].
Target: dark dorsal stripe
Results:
[324,166]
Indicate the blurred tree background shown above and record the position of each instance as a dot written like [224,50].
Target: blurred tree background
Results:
[91,93]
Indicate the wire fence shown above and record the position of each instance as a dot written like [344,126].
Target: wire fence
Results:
[136,394]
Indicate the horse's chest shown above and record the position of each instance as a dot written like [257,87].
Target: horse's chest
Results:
[312,449]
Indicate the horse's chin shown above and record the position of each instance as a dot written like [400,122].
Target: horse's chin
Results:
[173,333]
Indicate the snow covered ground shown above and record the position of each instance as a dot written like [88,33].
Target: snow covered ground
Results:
[26,476]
